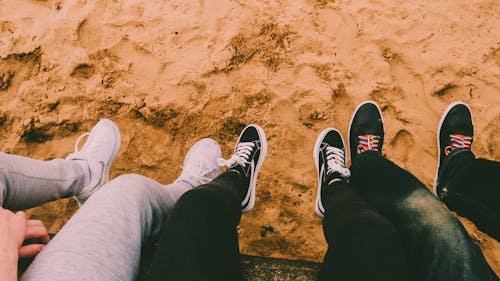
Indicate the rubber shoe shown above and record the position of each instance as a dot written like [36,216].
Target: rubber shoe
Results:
[100,150]
[248,157]
[366,130]
[200,164]
[329,157]
[454,135]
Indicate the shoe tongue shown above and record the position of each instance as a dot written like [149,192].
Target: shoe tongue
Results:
[368,142]
[458,142]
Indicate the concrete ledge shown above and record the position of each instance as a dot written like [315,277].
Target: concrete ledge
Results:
[270,269]
[254,268]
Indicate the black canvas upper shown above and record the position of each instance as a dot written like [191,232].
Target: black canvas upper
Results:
[367,120]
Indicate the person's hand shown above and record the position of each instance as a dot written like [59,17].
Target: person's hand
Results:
[15,229]
[34,230]
[12,232]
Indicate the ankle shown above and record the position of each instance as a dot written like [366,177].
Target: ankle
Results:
[185,182]
[235,179]
[84,164]
[338,182]
[455,162]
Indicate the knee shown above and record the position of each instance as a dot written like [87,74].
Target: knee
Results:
[426,214]
[128,179]
[130,187]
[129,183]
[375,231]
[425,208]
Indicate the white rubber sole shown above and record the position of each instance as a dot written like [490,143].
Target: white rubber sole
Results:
[352,119]
[253,180]
[446,111]
[318,206]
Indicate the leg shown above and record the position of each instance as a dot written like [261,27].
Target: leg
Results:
[435,242]
[473,192]
[466,184]
[103,240]
[362,245]
[25,182]
[199,240]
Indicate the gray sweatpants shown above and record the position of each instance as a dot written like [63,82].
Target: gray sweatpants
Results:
[102,241]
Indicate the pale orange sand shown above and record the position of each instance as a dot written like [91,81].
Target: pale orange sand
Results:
[171,72]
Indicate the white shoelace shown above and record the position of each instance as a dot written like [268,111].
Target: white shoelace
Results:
[95,149]
[240,157]
[335,162]
[77,143]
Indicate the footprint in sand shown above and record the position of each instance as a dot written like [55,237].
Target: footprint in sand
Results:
[401,145]
[83,71]
[89,35]
[491,133]
[311,114]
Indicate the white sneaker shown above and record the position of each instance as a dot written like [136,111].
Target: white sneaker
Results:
[99,151]
[200,164]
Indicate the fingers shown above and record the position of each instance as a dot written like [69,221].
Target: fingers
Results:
[17,226]
[36,229]
[34,222]
[21,214]
[30,250]
[12,230]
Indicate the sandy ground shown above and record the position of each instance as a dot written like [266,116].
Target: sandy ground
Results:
[171,72]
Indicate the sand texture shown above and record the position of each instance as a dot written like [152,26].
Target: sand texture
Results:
[171,72]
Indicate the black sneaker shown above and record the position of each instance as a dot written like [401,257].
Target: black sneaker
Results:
[329,157]
[247,159]
[455,132]
[366,131]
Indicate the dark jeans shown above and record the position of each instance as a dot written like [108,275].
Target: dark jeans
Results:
[199,240]
[434,243]
[474,191]
[409,234]
[362,244]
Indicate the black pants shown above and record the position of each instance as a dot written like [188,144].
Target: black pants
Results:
[388,226]
[199,241]
[362,244]
[474,191]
